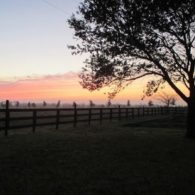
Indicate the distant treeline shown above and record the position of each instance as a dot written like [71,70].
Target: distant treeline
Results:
[60,104]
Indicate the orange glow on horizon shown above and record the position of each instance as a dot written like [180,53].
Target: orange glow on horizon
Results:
[65,88]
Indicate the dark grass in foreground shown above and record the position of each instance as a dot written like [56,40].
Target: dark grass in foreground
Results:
[108,159]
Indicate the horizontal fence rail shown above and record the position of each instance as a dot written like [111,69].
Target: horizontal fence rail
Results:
[17,118]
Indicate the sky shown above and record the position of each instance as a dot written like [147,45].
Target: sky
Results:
[34,37]
[35,62]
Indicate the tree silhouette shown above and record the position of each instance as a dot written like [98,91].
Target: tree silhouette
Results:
[128,103]
[91,104]
[109,103]
[33,105]
[74,104]
[150,103]
[167,99]
[131,39]
[29,104]
[58,104]
[17,104]
[44,103]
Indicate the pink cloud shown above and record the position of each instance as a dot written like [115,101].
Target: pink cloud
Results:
[38,87]
[63,87]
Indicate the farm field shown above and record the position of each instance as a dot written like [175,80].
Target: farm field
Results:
[112,158]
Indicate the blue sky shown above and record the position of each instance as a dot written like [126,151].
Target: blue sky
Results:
[35,62]
[33,45]
[34,37]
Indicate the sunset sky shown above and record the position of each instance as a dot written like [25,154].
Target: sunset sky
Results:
[35,62]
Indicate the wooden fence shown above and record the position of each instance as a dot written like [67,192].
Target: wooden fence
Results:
[17,118]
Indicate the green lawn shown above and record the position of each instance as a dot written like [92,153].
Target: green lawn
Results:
[114,158]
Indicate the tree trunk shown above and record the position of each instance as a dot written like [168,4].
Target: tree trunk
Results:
[191,119]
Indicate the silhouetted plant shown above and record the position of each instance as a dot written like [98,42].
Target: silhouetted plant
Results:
[74,104]
[17,104]
[58,104]
[130,39]
[91,104]
[109,103]
[150,103]
[167,99]
[33,105]
[128,103]
[44,103]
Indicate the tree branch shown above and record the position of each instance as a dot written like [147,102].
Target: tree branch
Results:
[168,79]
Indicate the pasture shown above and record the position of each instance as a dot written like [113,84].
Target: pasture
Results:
[112,158]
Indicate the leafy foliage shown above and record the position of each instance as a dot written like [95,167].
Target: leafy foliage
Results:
[130,39]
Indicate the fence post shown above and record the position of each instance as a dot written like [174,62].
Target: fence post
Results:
[138,112]
[161,110]
[133,113]
[143,111]
[7,117]
[110,114]
[89,118]
[146,111]
[152,111]
[119,112]
[175,110]
[165,110]
[127,113]
[34,120]
[75,114]
[101,115]
[57,118]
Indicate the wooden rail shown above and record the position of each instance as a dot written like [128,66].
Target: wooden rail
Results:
[16,118]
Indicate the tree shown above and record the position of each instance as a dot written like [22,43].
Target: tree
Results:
[167,99]
[150,103]
[44,103]
[58,104]
[33,105]
[17,104]
[91,104]
[29,104]
[128,103]
[109,103]
[74,104]
[130,39]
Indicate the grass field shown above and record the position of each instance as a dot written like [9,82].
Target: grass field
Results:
[115,158]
